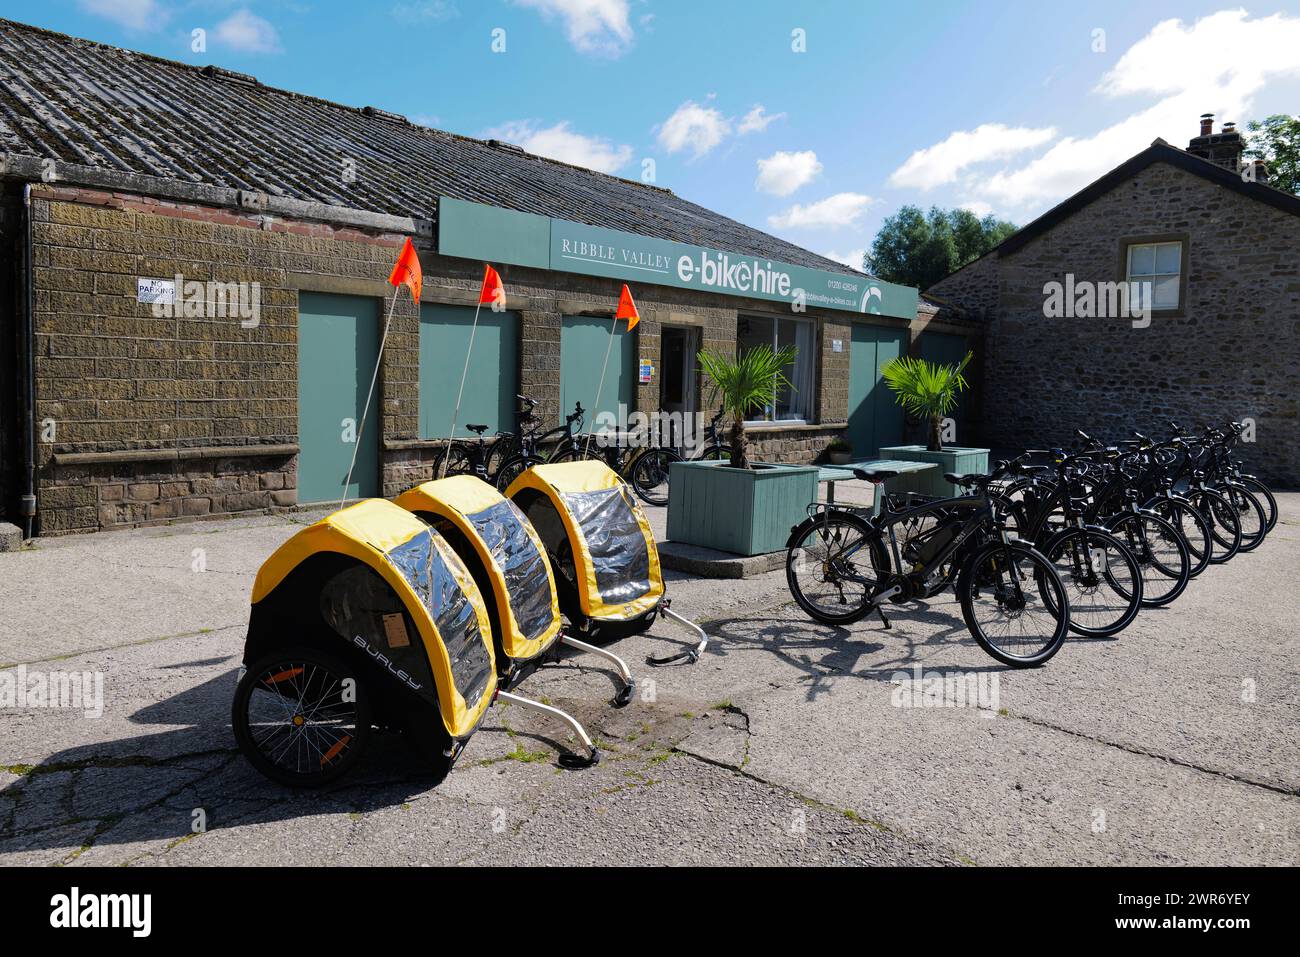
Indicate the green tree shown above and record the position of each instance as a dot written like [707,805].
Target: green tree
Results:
[918,249]
[1276,140]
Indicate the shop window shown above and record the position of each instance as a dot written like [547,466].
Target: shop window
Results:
[793,403]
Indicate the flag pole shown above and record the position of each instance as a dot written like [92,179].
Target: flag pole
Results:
[455,416]
[369,395]
[595,412]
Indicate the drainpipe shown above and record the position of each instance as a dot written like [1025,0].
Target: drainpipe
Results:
[27,504]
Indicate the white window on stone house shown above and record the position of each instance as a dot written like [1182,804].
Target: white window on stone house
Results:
[789,404]
[1157,269]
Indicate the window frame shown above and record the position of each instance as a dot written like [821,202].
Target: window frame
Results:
[1128,243]
[808,389]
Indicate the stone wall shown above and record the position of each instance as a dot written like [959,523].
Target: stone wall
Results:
[974,287]
[114,379]
[159,418]
[1232,353]
[11,307]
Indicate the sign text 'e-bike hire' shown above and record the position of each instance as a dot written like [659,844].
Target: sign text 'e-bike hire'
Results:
[491,234]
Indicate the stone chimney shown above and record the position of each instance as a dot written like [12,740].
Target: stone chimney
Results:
[1222,149]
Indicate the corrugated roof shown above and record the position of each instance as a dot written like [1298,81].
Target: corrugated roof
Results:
[112,109]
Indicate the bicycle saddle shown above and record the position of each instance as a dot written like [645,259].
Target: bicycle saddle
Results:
[477,429]
[877,477]
[973,478]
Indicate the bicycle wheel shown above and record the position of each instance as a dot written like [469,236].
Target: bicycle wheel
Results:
[457,461]
[1250,514]
[649,475]
[578,452]
[1192,526]
[301,717]
[1101,578]
[1261,491]
[515,467]
[717,453]
[1002,590]
[834,566]
[1161,554]
[1225,526]
[503,449]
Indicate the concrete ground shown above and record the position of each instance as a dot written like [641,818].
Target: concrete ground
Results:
[1176,743]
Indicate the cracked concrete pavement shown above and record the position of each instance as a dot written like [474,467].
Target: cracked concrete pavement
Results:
[1177,742]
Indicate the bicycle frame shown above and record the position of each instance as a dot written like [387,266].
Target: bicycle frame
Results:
[983,519]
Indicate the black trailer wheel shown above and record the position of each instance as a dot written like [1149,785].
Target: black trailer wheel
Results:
[301,717]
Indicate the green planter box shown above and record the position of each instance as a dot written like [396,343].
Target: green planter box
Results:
[957,459]
[744,511]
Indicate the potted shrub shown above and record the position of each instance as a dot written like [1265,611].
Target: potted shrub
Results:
[740,506]
[839,452]
[928,391]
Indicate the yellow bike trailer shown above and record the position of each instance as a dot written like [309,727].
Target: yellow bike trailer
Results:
[608,575]
[368,617]
[508,561]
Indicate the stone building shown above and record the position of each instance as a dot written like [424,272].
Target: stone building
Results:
[196,289]
[1211,331]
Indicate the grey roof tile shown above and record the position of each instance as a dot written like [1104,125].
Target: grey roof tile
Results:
[95,105]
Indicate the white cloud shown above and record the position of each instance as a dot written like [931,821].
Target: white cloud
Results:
[1220,50]
[561,143]
[695,127]
[978,207]
[782,173]
[833,212]
[132,14]
[246,32]
[853,258]
[1217,64]
[943,162]
[757,120]
[593,26]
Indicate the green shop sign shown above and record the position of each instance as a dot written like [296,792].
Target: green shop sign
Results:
[475,231]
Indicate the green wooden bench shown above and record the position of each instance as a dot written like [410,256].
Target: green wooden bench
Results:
[831,474]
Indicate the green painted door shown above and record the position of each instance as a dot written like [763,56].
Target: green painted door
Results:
[948,349]
[338,343]
[875,419]
[493,378]
[583,342]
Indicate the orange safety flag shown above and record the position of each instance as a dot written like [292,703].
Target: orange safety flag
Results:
[627,309]
[407,270]
[492,290]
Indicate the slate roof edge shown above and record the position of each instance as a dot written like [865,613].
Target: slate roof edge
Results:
[307,97]
[32,169]
[715,222]
[1158,152]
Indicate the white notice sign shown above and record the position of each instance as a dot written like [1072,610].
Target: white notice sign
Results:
[155,290]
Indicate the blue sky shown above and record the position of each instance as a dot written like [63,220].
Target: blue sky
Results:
[1002,107]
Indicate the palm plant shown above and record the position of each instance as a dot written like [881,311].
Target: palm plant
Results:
[750,380]
[926,390]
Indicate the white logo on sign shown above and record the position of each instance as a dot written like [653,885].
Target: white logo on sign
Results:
[873,292]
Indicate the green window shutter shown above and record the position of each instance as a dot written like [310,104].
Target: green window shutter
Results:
[493,377]
[583,342]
